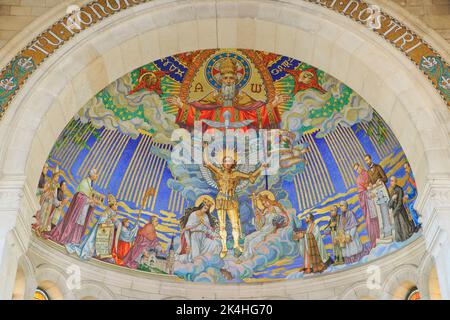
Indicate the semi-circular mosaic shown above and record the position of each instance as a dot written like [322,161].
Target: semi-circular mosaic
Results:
[313,180]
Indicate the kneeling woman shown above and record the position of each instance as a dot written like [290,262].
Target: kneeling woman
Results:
[198,232]
[269,218]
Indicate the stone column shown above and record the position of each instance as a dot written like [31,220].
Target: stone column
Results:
[442,258]
[14,231]
[434,205]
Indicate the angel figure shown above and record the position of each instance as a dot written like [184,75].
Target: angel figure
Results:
[291,155]
[149,81]
[305,79]
[270,216]
[228,181]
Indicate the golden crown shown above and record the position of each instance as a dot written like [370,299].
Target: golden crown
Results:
[227,66]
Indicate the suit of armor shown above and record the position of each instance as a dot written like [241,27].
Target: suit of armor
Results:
[227,180]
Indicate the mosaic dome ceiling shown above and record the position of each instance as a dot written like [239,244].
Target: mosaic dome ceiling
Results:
[341,192]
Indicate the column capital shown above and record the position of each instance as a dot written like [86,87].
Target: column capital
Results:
[434,206]
[11,195]
[16,209]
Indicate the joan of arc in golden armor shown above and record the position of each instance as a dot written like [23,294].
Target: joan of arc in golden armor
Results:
[227,180]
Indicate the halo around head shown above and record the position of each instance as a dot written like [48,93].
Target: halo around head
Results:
[206,199]
[228,62]
[145,73]
[264,194]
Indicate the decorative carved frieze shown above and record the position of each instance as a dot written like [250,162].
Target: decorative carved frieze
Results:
[14,75]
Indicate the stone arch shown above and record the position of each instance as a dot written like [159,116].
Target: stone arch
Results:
[366,298]
[277,298]
[360,291]
[428,284]
[434,291]
[19,285]
[93,289]
[174,298]
[87,65]
[400,282]
[423,271]
[51,290]
[25,282]
[304,31]
[403,290]
[53,281]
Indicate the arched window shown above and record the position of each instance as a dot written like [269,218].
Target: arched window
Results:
[413,294]
[41,294]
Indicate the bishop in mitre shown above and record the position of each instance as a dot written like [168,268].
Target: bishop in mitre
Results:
[87,248]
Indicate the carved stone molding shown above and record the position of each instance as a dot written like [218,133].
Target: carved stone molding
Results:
[129,284]
[11,195]
[423,271]
[14,209]
[434,205]
[93,289]
[407,41]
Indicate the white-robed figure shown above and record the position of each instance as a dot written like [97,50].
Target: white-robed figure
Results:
[86,249]
[354,250]
[198,231]
[270,216]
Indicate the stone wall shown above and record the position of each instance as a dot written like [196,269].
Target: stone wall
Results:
[434,13]
[391,277]
[15,15]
